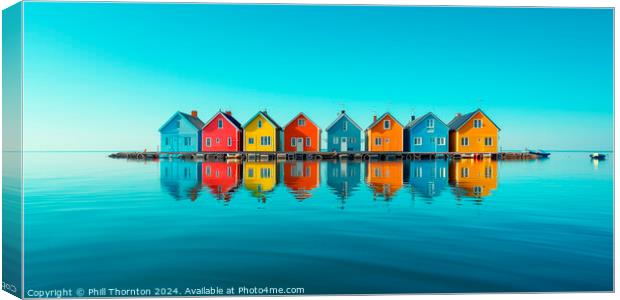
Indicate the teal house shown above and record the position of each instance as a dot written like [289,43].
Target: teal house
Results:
[426,134]
[344,134]
[181,133]
[182,179]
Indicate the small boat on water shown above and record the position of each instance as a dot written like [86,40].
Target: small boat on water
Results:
[598,156]
[540,153]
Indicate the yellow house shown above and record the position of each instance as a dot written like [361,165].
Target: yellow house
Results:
[262,134]
[260,178]
[472,177]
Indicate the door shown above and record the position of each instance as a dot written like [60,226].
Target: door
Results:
[300,144]
[343,144]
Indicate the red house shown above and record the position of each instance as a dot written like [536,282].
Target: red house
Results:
[222,133]
[221,178]
[302,135]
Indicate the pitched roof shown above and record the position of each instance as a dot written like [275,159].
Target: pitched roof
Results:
[304,115]
[343,115]
[459,121]
[195,121]
[381,118]
[266,116]
[415,122]
[228,117]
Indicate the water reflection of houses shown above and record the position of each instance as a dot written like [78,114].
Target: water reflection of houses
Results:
[385,178]
[260,178]
[343,177]
[301,177]
[180,178]
[473,178]
[427,178]
[221,178]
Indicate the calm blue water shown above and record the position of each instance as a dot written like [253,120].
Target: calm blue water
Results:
[329,227]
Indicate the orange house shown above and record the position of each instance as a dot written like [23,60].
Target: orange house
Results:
[385,178]
[385,134]
[473,132]
[302,135]
[473,178]
[301,177]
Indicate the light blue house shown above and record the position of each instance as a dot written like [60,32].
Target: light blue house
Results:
[181,133]
[182,179]
[426,134]
[427,178]
[344,134]
[343,178]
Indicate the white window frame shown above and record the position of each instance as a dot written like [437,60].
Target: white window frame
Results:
[345,126]
[336,140]
[229,142]
[378,141]
[301,122]
[293,142]
[208,142]
[265,140]
[464,141]
[220,123]
[388,123]
[260,123]
[417,141]
[308,142]
[465,172]
[251,141]
[490,141]
[441,141]
[477,123]
[430,123]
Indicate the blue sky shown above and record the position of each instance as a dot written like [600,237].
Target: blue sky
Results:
[102,76]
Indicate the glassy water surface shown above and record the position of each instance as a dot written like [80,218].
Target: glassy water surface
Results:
[328,227]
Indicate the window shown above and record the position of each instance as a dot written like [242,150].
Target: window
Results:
[386,124]
[378,141]
[187,141]
[217,173]
[208,142]
[229,143]
[260,123]
[293,141]
[464,141]
[178,123]
[265,173]
[387,140]
[208,171]
[251,141]
[220,123]
[301,122]
[430,123]
[442,172]
[265,140]
[345,126]
[478,190]
[250,172]
[488,141]
[228,171]
[166,141]
[352,140]
[336,139]
[308,142]
[441,141]
[377,172]
[488,172]
[465,172]
[418,172]
[478,123]
[417,141]
[217,140]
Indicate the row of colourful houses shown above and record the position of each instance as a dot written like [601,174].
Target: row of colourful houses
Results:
[472,132]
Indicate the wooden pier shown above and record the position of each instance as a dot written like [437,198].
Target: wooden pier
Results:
[291,156]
